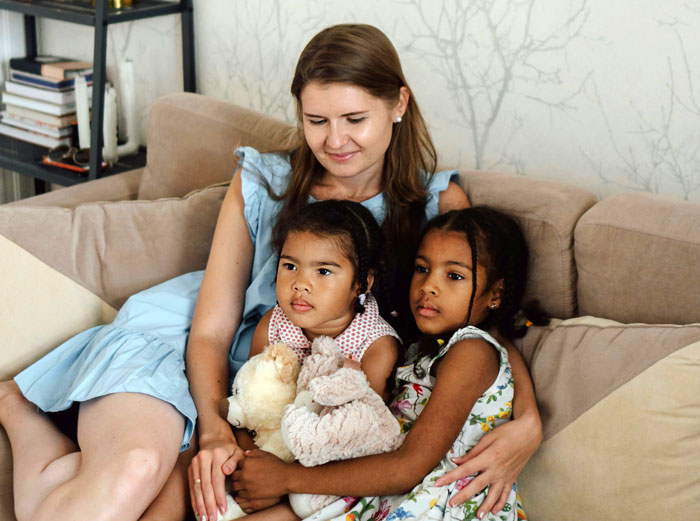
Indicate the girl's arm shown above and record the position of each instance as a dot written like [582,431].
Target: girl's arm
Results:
[378,363]
[216,318]
[467,370]
[502,453]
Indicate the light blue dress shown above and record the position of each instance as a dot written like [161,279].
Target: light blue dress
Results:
[143,349]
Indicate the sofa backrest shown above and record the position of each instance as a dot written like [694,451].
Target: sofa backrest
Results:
[547,212]
[638,259]
[191,140]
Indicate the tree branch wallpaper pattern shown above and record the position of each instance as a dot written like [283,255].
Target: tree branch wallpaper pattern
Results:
[605,95]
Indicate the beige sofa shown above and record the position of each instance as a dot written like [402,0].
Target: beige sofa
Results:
[617,374]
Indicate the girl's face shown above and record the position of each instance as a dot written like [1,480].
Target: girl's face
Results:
[315,284]
[442,284]
[348,129]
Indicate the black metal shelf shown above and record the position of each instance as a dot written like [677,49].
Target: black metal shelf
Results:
[99,17]
[26,158]
[81,12]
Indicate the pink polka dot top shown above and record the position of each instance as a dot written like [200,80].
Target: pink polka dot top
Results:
[353,342]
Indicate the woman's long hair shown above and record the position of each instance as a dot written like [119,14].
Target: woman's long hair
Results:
[361,55]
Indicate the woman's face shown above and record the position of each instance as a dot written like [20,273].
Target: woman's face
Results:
[348,129]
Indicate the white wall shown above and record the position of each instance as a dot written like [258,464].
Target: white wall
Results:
[605,95]
[12,185]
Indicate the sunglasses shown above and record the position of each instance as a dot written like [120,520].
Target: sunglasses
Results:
[68,154]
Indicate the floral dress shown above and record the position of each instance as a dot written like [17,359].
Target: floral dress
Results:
[427,501]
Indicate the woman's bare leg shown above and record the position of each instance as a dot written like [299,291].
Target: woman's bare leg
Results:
[43,457]
[173,502]
[129,445]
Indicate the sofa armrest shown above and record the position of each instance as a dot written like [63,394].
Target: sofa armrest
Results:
[119,187]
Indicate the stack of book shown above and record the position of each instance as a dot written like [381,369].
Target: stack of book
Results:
[39,99]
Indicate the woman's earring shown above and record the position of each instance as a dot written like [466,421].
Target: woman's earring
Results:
[398,119]
[494,305]
[361,298]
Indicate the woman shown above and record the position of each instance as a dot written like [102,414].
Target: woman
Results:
[365,140]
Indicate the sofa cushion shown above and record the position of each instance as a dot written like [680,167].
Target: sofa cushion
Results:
[638,258]
[115,249]
[182,126]
[621,418]
[41,308]
[547,212]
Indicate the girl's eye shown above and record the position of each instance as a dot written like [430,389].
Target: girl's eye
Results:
[355,120]
[324,271]
[289,266]
[455,276]
[421,269]
[316,121]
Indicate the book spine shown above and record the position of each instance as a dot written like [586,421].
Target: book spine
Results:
[22,64]
[37,93]
[32,137]
[59,71]
[41,106]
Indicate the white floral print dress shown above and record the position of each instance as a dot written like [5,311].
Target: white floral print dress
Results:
[427,501]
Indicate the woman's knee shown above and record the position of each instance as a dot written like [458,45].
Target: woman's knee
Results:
[142,471]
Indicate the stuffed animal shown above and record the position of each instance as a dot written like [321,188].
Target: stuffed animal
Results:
[261,390]
[335,416]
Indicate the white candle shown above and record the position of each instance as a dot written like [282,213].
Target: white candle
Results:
[110,153]
[83,112]
[128,95]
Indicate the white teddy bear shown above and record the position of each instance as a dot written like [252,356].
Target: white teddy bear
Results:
[261,390]
[336,416]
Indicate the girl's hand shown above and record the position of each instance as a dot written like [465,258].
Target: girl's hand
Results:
[500,456]
[253,505]
[260,476]
[207,473]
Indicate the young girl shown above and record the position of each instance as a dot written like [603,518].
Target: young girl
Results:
[456,386]
[329,258]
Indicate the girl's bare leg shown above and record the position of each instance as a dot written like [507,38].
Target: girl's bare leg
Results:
[129,445]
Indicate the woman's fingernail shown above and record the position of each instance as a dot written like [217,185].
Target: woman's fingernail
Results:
[222,509]
[481,516]
[203,518]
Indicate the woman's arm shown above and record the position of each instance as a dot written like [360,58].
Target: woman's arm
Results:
[468,369]
[452,198]
[378,363]
[502,453]
[216,318]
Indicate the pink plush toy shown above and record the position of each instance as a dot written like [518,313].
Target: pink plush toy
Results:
[336,416]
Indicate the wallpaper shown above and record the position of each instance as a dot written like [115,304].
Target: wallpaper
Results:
[604,95]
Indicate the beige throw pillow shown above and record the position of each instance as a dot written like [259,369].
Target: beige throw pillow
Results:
[115,249]
[620,406]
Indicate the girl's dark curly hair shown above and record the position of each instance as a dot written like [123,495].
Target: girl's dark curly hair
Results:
[355,230]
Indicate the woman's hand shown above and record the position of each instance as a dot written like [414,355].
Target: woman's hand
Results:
[260,475]
[500,456]
[217,458]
